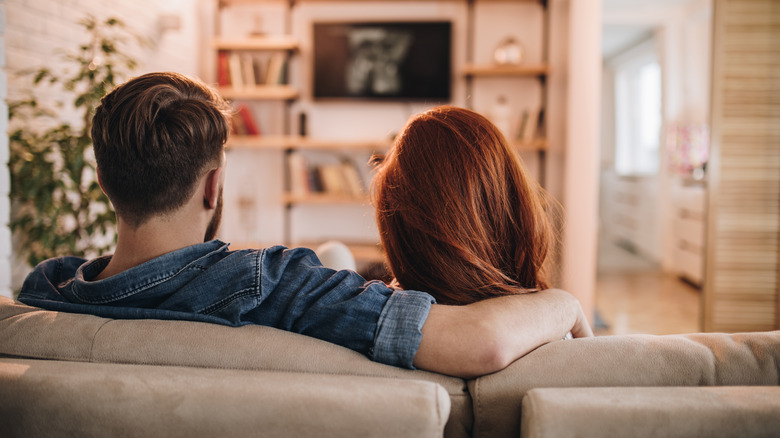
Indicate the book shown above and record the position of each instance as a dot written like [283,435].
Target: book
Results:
[332,179]
[234,62]
[315,180]
[523,124]
[299,174]
[223,69]
[529,131]
[351,175]
[244,122]
[248,71]
[274,71]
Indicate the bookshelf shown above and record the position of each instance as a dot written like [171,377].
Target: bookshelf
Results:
[532,132]
[230,52]
[283,140]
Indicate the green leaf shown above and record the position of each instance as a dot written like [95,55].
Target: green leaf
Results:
[58,207]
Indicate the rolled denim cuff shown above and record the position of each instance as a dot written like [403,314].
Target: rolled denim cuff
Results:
[399,330]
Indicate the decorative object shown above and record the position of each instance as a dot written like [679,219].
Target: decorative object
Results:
[509,52]
[57,206]
[688,146]
[501,116]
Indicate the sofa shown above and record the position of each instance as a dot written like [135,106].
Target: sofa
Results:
[80,375]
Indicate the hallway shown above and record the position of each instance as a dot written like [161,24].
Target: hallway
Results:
[634,296]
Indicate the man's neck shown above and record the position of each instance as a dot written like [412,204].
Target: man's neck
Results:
[148,241]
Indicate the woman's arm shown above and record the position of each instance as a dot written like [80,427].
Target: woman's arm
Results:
[486,336]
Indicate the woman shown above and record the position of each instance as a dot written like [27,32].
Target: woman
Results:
[457,213]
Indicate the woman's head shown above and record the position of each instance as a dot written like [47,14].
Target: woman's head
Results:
[458,215]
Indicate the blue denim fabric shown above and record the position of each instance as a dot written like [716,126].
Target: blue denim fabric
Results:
[278,287]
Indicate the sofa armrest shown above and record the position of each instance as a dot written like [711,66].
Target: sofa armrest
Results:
[44,398]
[702,359]
[710,412]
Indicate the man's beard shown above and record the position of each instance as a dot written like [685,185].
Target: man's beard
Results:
[216,219]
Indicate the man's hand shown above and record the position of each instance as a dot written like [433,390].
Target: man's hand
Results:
[486,336]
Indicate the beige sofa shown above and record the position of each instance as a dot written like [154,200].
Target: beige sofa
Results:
[81,375]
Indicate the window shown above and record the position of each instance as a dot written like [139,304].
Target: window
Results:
[638,112]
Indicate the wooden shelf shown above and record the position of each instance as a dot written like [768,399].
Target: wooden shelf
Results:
[506,70]
[362,251]
[224,3]
[369,1]
[260,92]
[298,142]
[539,144]
[323,199]
[269,43]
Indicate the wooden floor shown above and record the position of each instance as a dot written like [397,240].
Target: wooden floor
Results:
[634,296]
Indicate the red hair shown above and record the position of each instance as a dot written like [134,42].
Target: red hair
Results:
[458,216]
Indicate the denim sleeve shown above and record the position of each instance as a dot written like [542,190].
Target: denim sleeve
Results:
[300,295]
[399,330]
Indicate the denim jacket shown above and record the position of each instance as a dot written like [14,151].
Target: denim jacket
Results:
[284,288]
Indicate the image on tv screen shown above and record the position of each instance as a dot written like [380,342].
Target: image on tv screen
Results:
[382,60]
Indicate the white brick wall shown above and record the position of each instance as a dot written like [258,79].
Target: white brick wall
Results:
[5,181]
[31,32]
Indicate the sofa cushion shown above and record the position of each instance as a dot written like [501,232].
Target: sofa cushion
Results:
[702,359]
[704,412]
[29,332]
[47,398]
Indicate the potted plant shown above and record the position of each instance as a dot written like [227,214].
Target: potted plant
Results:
[57,206]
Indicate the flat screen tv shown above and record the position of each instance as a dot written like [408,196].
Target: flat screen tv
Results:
[382,60]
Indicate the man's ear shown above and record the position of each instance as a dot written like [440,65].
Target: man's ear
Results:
[213,181]
[100,183]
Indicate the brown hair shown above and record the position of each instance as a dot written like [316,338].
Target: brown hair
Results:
[457,214]
[154,136]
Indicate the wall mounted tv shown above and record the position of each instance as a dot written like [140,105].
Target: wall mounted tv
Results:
[382,60]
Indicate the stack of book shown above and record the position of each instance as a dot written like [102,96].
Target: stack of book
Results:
[247,70]
[338,179]
[530,125]
[244,122]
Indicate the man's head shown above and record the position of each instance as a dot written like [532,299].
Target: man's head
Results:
[155,136]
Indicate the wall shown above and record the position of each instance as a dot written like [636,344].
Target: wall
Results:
[34,30]
[581,144]
[5,179]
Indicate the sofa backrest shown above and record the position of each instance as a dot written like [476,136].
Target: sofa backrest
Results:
[29,332]
[489,406]
[49,398]
[702,359]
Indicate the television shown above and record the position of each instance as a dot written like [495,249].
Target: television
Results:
[382,60]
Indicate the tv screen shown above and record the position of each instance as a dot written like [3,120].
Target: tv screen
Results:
[382,60]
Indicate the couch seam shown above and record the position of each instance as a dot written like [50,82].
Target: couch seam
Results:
[94,339]
[477,408]
[533,428]
[440,421]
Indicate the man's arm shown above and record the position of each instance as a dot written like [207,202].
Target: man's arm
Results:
[486,336]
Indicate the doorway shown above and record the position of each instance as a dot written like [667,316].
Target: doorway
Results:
[655,108]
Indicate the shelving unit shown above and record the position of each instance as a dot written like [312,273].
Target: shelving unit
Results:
[538,71]
[283,140]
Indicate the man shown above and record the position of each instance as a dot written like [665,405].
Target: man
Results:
[159,144]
